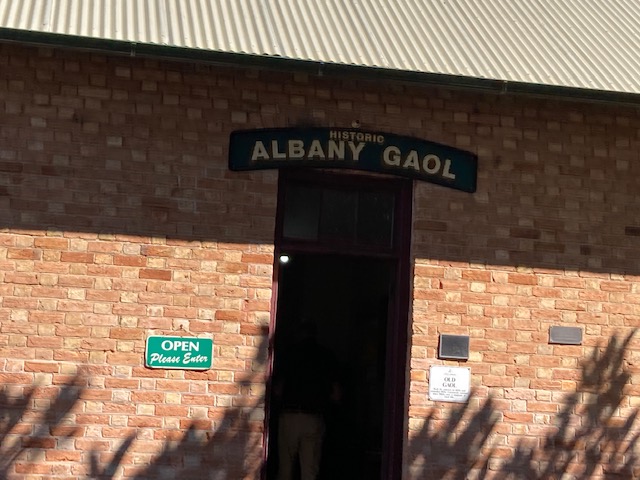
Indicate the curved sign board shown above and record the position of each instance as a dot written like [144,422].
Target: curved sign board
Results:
[353,149]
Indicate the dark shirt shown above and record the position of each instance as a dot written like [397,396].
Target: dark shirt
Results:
[305,377]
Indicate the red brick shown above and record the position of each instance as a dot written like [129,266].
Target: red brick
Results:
[23,254]
[229,315]
[63,456]
[66,431]
[172,411]
[129,260]
[127,384]
[180,312]
[93,394]
[16,378]
[615,286]
[38,442]
[125,358]
[102,296]
[196,424]
[52,243]
[147,397]
[257,258]
[32,468]
[75,281]
[550,385]
[122,409]
[44,342]
[523,279]
[545,361]
[74,306]
[495,357]
[21,278]
[477,275]
[568,282]
[73,331]
[541,407]
[228,267]
[173,385]
[157,251]
[92,419]
[41,367]
[497,381]
[168,435]
[126,333]
[155,274]
[144,422]
[103,344]
[77,257]
[517,417]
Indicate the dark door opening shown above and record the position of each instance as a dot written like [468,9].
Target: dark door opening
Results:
[347,301]
[346,239]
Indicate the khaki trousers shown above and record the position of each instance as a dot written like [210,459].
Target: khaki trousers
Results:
[300,438]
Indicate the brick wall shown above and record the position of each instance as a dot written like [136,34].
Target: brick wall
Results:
[549,239]
[119,218]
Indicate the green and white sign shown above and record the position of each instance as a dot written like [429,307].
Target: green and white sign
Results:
[181,353]
[353,149]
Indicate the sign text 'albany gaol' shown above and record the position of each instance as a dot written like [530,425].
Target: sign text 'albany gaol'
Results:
[353,149]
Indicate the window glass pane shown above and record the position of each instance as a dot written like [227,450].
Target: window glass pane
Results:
[330,214]
[302,212]
[375,218]
[338,217]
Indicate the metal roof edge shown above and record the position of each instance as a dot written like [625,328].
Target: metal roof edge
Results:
[149,50]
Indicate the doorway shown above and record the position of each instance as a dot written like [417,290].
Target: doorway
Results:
[342,267]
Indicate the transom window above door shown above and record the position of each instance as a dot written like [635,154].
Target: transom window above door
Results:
[339,213]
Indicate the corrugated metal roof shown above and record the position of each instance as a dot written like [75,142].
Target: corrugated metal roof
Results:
[593,44]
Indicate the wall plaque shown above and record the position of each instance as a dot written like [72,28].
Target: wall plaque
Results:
[565,335]
[449,384]
[454,347]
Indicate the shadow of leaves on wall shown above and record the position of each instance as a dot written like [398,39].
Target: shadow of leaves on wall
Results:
[232,450]
[105,472]
[25,429]
[590,437]
[452,448]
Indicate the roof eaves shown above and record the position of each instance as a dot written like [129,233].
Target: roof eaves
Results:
[149,50]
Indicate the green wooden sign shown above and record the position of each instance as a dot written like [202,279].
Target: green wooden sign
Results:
[353,149]
[181,353]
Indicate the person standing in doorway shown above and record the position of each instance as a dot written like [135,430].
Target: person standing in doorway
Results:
[305,384]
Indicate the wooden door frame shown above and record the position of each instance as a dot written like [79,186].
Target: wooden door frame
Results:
[398,321]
